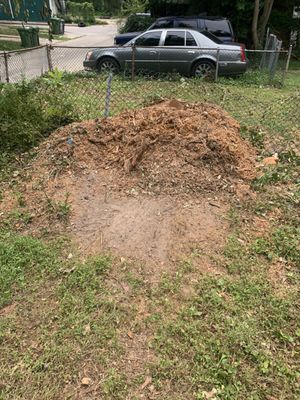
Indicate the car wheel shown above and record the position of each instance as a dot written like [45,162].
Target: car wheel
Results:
[108,65]
[203,69]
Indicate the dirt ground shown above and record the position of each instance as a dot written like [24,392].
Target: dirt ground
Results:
[146,228]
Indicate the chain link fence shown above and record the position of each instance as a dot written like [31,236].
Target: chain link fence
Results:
[96,95]
[28,64]
[93,94]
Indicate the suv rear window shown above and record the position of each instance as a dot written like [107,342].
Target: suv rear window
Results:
[218,27]
[164,23]
[187,23]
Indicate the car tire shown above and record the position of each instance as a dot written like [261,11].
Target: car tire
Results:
[108,65]
[203,69]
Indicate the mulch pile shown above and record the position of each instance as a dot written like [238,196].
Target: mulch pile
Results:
[169,147]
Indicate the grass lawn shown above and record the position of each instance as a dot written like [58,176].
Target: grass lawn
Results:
[12,30]
[73,326]
[8,45]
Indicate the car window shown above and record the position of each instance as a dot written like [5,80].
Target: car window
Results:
[165,23]
[190,40]
[218,27]
[148,39]
[187,23]
[212,37]
[175,38]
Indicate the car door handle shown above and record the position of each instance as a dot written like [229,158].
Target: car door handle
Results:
[191,52]
[152,52]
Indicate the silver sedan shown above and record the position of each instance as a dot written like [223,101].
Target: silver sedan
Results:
[187,52]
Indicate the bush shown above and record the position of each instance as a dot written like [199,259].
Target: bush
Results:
[134,6]
[81,11]
[21,120]
[30,111]
[136,23]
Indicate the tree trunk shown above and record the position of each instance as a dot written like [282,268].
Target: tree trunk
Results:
[264,19]
[254,24]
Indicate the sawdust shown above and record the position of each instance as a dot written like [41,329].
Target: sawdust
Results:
[171,147]
[148,184]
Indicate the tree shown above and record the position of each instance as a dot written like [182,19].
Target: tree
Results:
[255,24]
[134,6]
[259,25]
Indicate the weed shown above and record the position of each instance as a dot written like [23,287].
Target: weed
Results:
[255,135]
[16,218]
[114,385]
[282,242]
[275,175]
[59,209]
[32,115]
[20,199]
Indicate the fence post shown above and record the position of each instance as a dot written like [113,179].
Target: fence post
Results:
[133,63]
[289,54]
[49,58]
[217,65]
[6,66]
[108,95]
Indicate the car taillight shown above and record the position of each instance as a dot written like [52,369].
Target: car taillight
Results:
[243,55]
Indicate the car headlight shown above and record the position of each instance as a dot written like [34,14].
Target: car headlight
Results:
[89,55]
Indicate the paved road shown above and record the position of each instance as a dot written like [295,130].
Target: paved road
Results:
[66,56]
[92,36]
[69,56]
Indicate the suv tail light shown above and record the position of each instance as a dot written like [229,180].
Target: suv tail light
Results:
[243,55]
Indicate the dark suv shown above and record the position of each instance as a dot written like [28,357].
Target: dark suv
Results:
[219,26]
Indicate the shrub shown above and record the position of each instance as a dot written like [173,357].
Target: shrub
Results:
[82,11]
[21,120]
[30,111]
[136,23]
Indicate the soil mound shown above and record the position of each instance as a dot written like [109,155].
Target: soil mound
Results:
[149,184]
[170,147]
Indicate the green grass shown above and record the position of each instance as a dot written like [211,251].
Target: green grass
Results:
[8,30]
[8,45]
[231,334]
[65,309]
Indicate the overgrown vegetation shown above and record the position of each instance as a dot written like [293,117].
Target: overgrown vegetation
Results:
[81,12]
[33,113]
[136,23]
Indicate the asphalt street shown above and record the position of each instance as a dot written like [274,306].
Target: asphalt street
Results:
[91,36]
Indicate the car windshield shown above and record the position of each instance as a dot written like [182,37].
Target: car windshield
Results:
[212,37]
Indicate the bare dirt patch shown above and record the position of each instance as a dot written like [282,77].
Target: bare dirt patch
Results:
[156,228]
